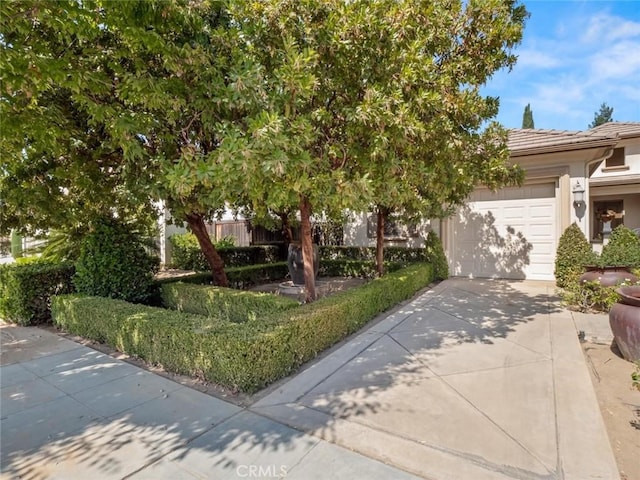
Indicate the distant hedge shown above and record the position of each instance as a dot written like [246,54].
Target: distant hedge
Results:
[26,289]
[391,254]
[244,356]
[239,277]
[186,254]
[353,268]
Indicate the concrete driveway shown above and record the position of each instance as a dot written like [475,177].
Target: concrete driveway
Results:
[474,379]
[470,380]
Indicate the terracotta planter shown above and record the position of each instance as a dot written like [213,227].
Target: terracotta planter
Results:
[624,319]
[608,276]
[296,265]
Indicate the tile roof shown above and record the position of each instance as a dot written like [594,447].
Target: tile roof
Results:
[622,129]
[529,141]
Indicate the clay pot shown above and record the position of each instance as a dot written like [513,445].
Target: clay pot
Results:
[608,276]
[624,319]
[296,265]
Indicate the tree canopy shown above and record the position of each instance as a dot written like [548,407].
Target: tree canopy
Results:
[604,115]
[527,117]
[278,105]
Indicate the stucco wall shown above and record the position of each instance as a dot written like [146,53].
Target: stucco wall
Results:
[355,233]
[632,161]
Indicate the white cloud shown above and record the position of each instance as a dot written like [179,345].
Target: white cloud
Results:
[529,58]
[604,28]
[571,63]
[619,62]
[559,97]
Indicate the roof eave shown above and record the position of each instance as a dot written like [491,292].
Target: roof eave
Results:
[563,148]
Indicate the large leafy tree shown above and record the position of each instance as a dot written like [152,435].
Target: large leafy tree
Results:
[388,115]
[604,115]
[151,86]
[283,105]
[61,166]
[420,125]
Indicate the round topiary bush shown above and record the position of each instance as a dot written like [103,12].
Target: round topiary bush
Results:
[574,251]
[113,263]
[623,249]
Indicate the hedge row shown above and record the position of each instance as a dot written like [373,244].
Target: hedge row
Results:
[353,268]
[245,356]
[26,289]
[186,254]
[238,277]
[391,254]
[223,303]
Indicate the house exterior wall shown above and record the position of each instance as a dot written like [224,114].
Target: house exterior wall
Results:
[617,184]
[631,162]
[356,233]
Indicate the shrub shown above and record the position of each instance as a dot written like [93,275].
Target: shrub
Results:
[187,255]
[574,251]
[26,289]
[238,277]
[114,263]
[223,303]
[16,244]
[244,277]
[226,242]
[635,376]
[391,254]
[353,268]
[436,257]
[589,296]
[623,249]
[246,356]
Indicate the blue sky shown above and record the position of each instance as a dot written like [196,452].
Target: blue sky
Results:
[574,56]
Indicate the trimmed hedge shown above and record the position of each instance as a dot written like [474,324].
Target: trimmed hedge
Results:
[186,254]
[223,303]
[391,254]
[238,277]
[26,289]
[353,268]
[245,356]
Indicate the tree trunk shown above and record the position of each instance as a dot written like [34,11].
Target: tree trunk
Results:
[307,250]
[216,264]
[286,228]
[382,214]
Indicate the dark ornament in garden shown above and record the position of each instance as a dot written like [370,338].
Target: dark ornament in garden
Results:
[296,264]
[624,319]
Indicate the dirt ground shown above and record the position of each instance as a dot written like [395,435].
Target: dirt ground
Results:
[619,403]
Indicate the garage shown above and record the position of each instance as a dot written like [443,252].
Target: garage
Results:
[511,233]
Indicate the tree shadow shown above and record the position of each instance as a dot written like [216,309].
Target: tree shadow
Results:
[483,249]
[361,380]
[398,382]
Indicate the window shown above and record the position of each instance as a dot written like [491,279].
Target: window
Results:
[616,159]
[607,215]
[392,228]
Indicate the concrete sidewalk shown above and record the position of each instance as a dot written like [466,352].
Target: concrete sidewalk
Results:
[473,379]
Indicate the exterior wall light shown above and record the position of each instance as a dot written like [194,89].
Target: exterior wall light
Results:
[578,195]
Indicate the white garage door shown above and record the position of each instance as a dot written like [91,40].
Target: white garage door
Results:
[507,234]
